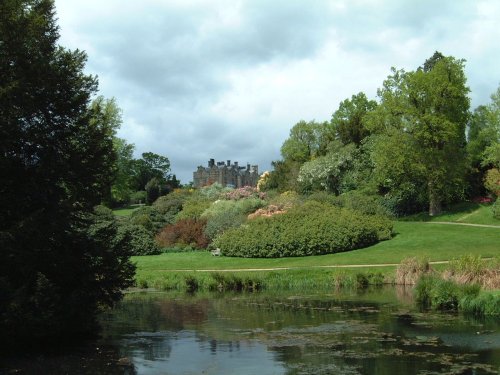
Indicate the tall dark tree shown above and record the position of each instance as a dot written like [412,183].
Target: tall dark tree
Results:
[59,261]
[150,166]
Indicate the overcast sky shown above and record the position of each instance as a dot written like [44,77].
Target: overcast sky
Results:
[201,79]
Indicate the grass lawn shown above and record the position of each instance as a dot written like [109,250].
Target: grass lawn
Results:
[126,211]
[465,212]
[433,241]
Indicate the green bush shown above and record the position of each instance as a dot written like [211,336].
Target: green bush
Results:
[225,214]
[214,191]
[310,229]
[193,208]
[495,208]
[169,204]
[140,239]
[439,294]
[150,218]
[218,224]
[367,204]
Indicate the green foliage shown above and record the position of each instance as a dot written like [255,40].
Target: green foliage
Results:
[284,176]
[214,191]
[60,261]
[439,294]
[138,197]
[225,214]
[348,121]
[170,204]
[310,229]
[492,181]
[467,264]
[327,172]
[368,204]
[193,207]
[153,190]
[231,282]
[150,166]
[141,241]
[305,141]
[420,126]
[486,303]
[121,191]
[495,209]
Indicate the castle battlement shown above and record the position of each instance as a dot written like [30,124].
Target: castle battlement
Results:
[226,174]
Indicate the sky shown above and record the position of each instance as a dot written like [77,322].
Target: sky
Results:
[228,79]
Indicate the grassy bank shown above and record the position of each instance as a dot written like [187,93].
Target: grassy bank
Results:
[270,280]
[436,242]
[424,238]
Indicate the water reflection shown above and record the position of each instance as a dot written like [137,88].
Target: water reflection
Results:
[372,332]
[348,332]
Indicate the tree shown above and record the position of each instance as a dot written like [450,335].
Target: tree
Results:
[491,154]
[121,189]
[305,141]
[150,166]
[349,120]
[60,262]
[426,111]
[328,172]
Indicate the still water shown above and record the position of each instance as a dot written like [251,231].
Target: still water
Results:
[377,331]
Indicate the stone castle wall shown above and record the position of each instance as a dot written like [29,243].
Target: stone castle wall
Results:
[226,174]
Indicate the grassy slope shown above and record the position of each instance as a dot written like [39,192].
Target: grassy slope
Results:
[434,241]
[465,212]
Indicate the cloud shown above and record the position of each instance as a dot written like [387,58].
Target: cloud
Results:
[227,79]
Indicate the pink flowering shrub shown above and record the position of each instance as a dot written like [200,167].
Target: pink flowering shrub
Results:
[242,193]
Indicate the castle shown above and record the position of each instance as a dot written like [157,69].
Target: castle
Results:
[226,174]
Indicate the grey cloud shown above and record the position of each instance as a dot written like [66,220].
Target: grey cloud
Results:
[172,56]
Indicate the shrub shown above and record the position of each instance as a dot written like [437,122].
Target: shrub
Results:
[214,191]
[286,200]
[193,207]
[225,214]
[140,240]
[492,181]
[243,193]
[310,229]
[218,224]
[184,232]
[171,204]
[495,208]
[367,204]
[150,218]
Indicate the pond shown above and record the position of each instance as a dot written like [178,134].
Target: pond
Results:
[376,331]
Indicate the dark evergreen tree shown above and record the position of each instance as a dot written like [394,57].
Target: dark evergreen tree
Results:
[59,262]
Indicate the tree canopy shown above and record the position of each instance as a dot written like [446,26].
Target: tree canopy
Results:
[60,260]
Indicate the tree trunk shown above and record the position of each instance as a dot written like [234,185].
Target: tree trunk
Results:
[434,200]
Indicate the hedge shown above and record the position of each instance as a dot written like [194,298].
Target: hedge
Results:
[310,229]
